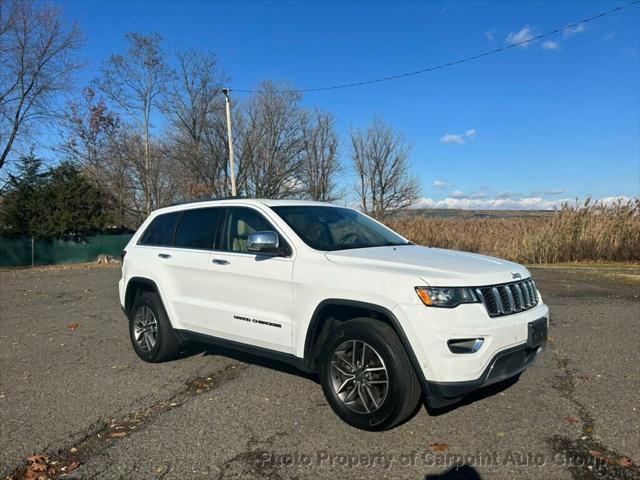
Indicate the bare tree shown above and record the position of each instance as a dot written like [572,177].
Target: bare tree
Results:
[381,161]
[37,58]
[135,82]
[88,129]
[320,164]
[271,143]
[195,107]
[128,167]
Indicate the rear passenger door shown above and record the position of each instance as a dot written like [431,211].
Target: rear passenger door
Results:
[186,268]
[251,294]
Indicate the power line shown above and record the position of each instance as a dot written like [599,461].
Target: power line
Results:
[456,62]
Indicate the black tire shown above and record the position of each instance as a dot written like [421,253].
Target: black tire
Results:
[166,344]
[403,391]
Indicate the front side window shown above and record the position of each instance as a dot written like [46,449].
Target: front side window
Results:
[160,232]
[241,222]
[196,228]
[337,228]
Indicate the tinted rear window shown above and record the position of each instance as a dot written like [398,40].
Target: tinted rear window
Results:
[196,228]
[160,232]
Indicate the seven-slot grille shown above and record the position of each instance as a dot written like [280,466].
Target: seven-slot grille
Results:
[509,298]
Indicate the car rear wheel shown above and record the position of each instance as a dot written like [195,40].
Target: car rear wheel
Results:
[151,334]
[366,375]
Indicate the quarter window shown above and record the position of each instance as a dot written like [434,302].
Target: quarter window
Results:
[196,228]
[160,232]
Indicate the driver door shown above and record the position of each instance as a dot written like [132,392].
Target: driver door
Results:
[253,291]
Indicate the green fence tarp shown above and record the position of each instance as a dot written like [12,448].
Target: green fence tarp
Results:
[16,252]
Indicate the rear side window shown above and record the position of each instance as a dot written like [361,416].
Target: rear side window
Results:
[160,232]
[196,228]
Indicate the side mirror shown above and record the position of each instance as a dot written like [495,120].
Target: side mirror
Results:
[265,242]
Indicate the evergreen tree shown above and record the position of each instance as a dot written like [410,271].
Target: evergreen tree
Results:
[60,203]
[20,208]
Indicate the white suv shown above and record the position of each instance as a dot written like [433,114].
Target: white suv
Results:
[330,290]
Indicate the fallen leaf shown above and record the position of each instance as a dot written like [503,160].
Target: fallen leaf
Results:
[73,449]
[571,420]
[72,466]
[550,338]
[500,434]
[596,454]
[625,462]
[586,378]
[439,447]
[38,467]
[31,475]
[73,326]
[37,459]
[118,434]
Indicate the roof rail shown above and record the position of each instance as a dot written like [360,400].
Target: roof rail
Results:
[207,199]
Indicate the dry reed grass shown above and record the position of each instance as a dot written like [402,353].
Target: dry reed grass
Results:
[589,232]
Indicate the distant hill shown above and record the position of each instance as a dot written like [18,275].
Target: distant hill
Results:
[459,213]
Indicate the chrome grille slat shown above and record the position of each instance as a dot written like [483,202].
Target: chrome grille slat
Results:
[535,291]
[497,299]
[520,297]
[526,295]
[508,298]
[531,292]
[512,303]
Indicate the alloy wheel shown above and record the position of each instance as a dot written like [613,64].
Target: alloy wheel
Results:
[145,328]
[359,376]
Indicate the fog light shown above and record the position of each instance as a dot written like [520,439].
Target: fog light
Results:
[465,345]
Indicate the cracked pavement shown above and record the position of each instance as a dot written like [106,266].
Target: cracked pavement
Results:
[81,395]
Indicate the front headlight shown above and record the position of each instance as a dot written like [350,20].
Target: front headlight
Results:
[447,297]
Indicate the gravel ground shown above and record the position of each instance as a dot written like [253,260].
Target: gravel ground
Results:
[73,393]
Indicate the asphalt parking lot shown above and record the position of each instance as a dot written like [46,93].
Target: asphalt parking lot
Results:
[73,393]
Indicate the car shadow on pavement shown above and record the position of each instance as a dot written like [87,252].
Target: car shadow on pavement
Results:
[474,396]
[462,472]
[197,348]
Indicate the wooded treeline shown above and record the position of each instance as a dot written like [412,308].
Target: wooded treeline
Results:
[150,129]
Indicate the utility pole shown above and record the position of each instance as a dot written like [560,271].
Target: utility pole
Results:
[232,166]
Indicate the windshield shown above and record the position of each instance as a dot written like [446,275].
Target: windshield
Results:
[336,228]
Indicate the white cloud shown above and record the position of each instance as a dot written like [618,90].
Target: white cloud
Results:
[550,45]
[468,203]
[450,138]
[459,194]
[440,184]
[508,194]
[453,138]
[569,31]
[551,191]
[524,35]
[609,35]
[505,202]
[613,200]
[490,35]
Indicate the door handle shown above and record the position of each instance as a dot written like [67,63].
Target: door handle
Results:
[217,261]
[164,255]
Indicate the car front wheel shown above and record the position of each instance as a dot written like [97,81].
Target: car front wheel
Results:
[366,375]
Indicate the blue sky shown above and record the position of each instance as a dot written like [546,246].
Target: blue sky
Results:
[525,128]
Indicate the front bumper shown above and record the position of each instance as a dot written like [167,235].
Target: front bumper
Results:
[447,376]
[505,364]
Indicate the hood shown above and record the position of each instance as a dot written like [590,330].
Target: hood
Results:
[435,266]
